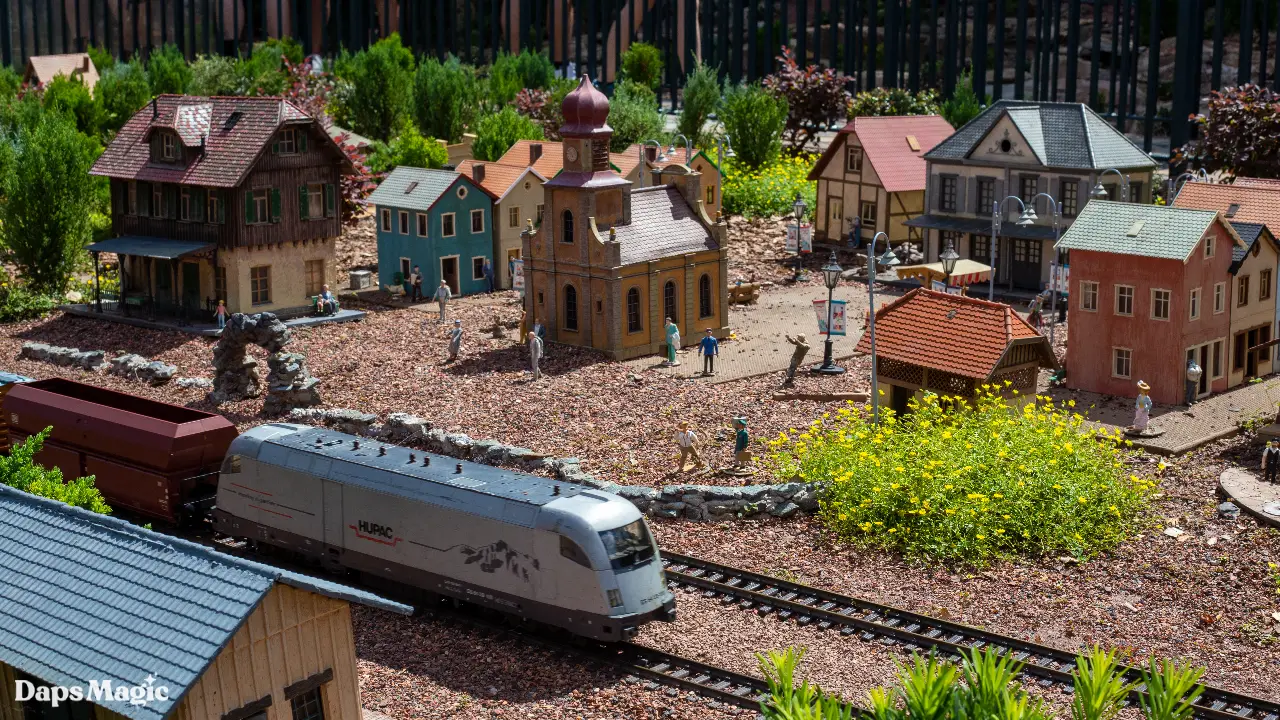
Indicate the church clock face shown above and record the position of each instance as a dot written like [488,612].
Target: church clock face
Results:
[571,153]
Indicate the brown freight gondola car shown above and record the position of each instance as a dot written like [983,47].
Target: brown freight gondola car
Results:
[150,458]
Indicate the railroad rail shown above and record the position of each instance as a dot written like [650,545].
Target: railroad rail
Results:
[912,631]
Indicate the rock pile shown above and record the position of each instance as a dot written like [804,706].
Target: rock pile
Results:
[289,384]
[140,368]
[63,356]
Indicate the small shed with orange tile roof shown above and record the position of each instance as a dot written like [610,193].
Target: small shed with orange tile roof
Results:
[950,345]
[873,176]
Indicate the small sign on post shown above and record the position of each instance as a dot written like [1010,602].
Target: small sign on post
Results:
[837,317]
[517,275]
[792,239]
[806,238]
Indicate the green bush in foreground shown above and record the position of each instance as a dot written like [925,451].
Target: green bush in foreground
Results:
[769,190]
[975,484]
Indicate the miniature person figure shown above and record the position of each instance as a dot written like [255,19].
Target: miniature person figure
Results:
[488,273]
[221,314]
[1142,408]
[797,357]
[1034,311]
[1271,461]
[709,348]
[326,302]
[443,293]
[541,329]
[687,440]
[524,323]
[1194,372]
[535,354]
[415,285]
[455,340]
[741,456]
[499,332]
[673,342]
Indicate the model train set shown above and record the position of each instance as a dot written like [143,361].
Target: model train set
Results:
[421,525]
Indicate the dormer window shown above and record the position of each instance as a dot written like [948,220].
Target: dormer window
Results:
[288,142]
[168,147]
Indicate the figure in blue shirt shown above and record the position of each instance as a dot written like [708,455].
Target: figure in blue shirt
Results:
[709,348]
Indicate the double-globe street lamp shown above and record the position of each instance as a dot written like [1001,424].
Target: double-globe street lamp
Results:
[997,211]
[1099,191]
[1055,268]
[831,276]
[888,260]
[949,257]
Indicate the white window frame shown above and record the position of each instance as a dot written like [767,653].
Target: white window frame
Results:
[868,222]
[513,216]
[385,213]
[1086,286]
[1115,306]
[1114,357]
[1208,246]
[267,301]
[212,206]
[1219,298]
[288,143]
[453,222]
[1264,283]
[474,213]
[1168,304]
[404,222]
[851,153]
[315,201]
[1193,304]
[422,225]
[474,258]
[1243,290]
[168,146]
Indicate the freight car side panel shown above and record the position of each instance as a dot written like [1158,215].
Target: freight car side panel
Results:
[134,489]
[51,455]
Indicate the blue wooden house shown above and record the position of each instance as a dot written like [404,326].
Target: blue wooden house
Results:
[440,221]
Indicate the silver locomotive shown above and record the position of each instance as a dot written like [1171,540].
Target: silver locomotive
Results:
[431,526]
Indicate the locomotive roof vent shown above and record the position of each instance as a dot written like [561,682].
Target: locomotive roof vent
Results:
[382,451]
[426,460]
[355,444]
[413,458]
[458,469]
[555,490]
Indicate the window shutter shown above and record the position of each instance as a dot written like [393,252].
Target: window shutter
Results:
[275,147]
[248,207]
[302,140]
[275,204]
[118,191]
[197,204]
[965,189]
[222,208]
[302,202]
[329,201]
[1000,195]
[935,192]
[144,199]
[171,202]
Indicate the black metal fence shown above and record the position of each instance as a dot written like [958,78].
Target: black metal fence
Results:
[1093,51]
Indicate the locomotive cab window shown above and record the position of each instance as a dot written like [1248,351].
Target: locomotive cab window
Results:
[231,465]
[628,546]
[570,549]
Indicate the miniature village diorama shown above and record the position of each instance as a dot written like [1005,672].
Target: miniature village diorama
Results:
[566,417]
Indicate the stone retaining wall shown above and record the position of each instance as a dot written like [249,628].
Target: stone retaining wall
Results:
[127,365]
[695,502]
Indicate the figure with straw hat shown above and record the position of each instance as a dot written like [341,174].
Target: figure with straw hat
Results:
[1142,408]
[687,440]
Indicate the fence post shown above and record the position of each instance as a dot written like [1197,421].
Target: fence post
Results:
[1183,72]
[979,76]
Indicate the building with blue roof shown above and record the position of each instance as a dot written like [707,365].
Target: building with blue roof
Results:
[439,220]
[94,604]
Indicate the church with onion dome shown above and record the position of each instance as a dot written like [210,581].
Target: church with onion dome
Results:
[609,261]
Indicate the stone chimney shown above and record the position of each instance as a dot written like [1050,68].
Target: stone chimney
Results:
[650,153]
[84,66]
[535,152]
[477,173]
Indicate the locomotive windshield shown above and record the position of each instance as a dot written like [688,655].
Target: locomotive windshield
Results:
[628,546]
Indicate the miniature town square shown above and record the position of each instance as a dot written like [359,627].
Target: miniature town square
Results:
[557,359]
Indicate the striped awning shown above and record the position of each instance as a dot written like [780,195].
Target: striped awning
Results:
[966,273]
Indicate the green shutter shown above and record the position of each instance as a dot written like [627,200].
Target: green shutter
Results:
[329,209]
[275,148]
[197,204]
[302,140]
[275,204]
[248,207]
[302,202]
[144,199]
[171,201]
[222,208]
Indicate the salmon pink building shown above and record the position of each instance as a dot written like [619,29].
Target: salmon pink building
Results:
[1143,280]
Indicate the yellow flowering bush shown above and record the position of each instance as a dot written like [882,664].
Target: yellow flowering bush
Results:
[770,189]
[973,482]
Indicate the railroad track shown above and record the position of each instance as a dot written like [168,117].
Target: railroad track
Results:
[911,631]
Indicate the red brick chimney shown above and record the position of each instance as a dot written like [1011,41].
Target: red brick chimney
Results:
[535,152]
[477,173]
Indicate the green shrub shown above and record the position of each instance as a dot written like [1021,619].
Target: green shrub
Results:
[787,701]
[642,63]
[496,133]
[214,75]
[701,98]
[69,97]
[262,73]
[633,115]
[893,101]
[10,81]
[18,302]
[410,148]
[511,73]
[49,198]
[381,89]
[754,119]
[769,190]
[19,470]
[446,97]
[964,104]
[101,58]
[815,96]
[974,484]
[124,89]
[168,71]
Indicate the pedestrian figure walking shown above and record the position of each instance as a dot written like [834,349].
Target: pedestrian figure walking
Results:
[443,293]
[415,285]
[797,357]
[488,274]
[455,340]
[1142,408]
[673,342]
[535,354]
[687,440]
[1194,372]
[1271,461]
[709,348]
[221,314]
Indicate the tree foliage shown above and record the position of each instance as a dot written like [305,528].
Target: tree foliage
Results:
[642,63]
[893,101]
[168,71]
[1239,135]
[214,75]
[354,188]
[496,133]
[124,89]
[701,98]
[20,471]
[409,148]
[510,73]
[633,115]
[815,96]
[49,195]
[381,89]
[754,119]
[10,81]
[69,97]
[964,104]
[446,97]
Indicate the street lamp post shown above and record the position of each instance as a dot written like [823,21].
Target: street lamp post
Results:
[1055,267]
[888,260]
[1100,192]
[798,207]
[831,276]
[997,209]
[948,257]
[1174,188]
